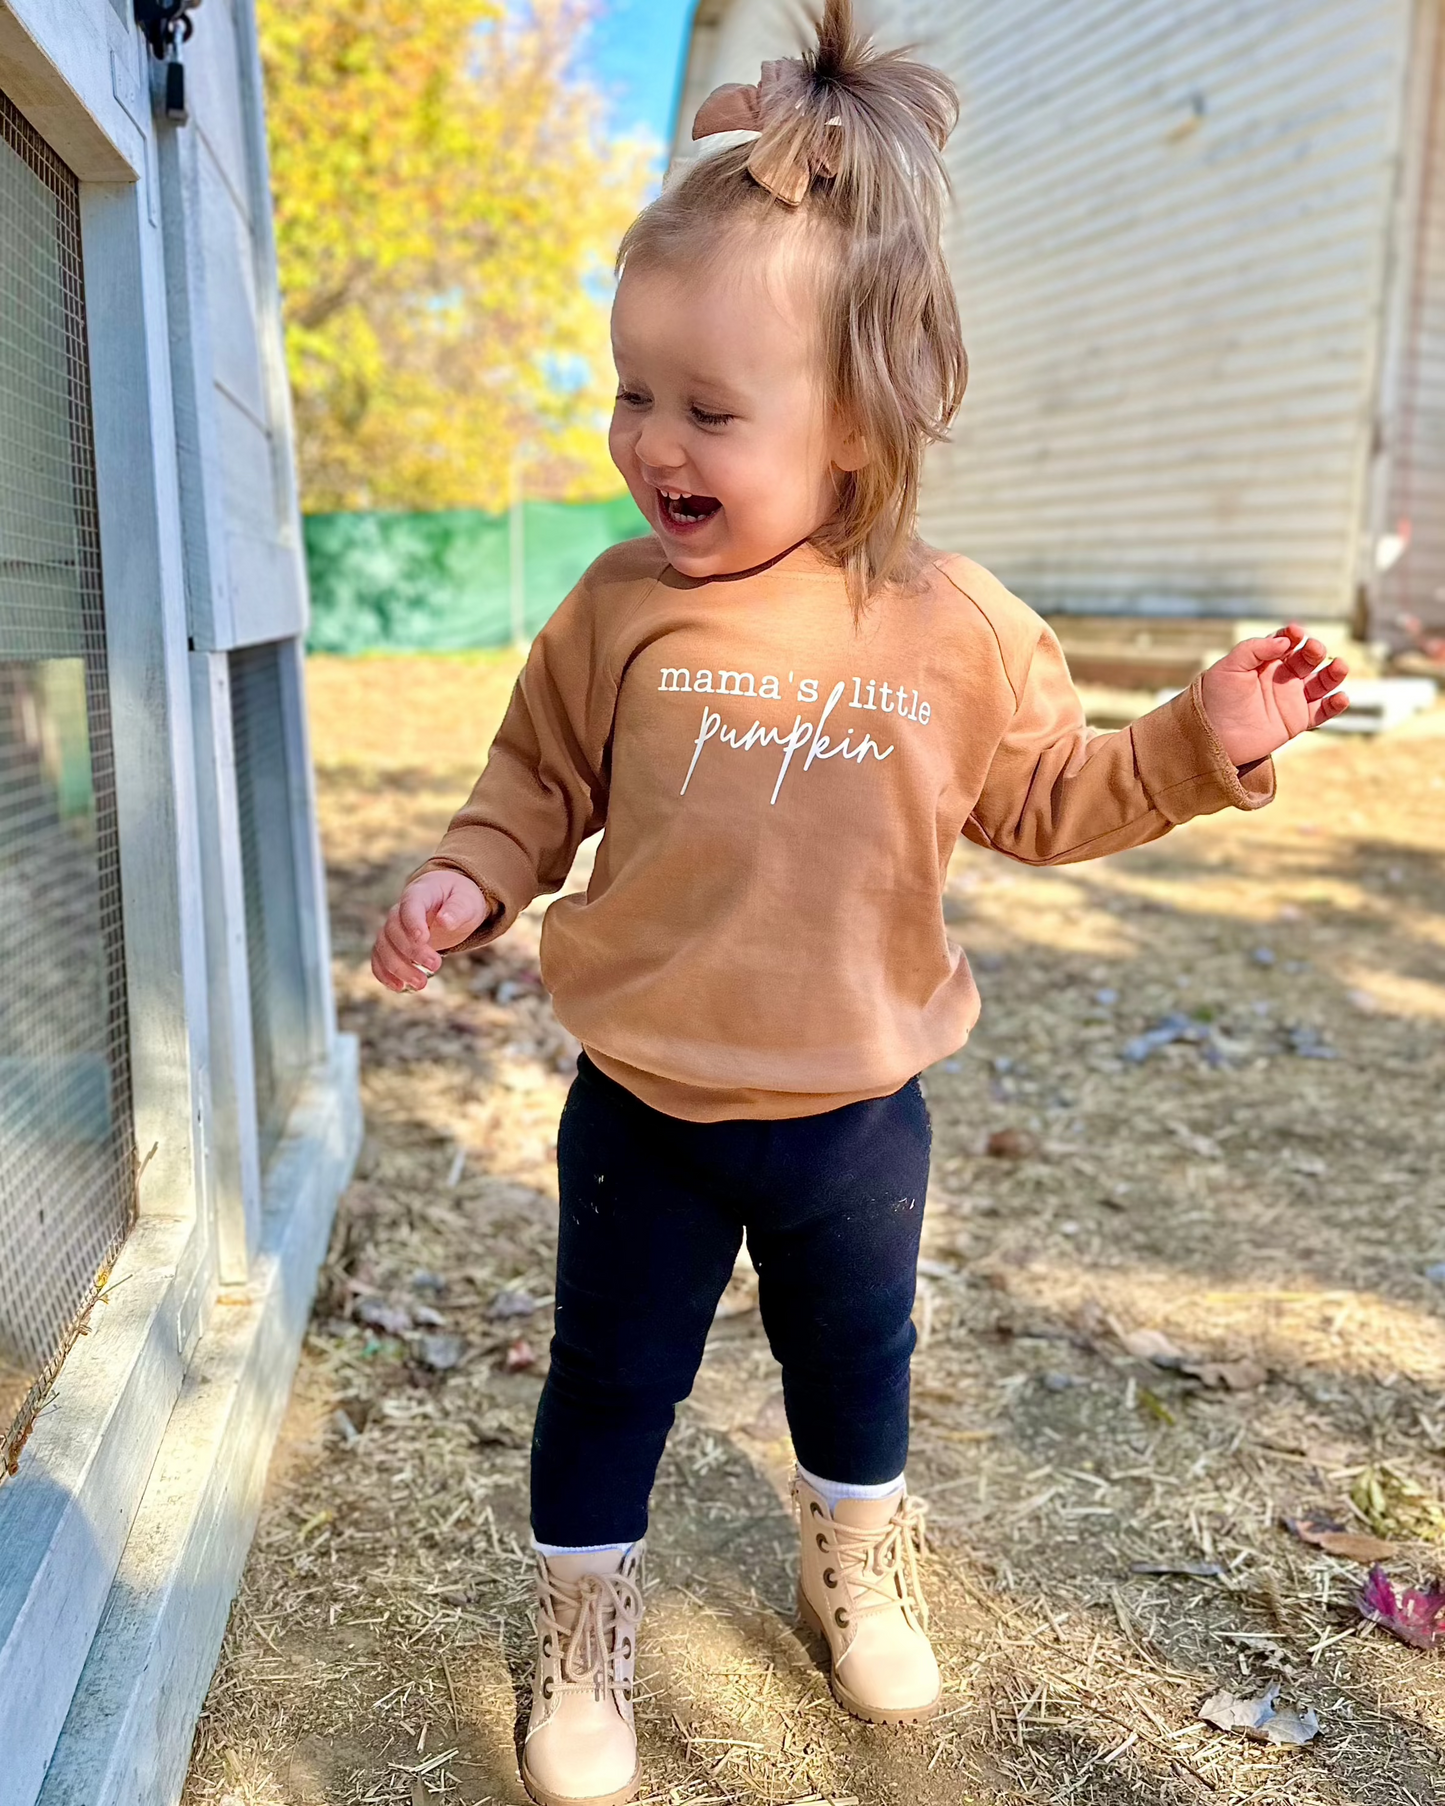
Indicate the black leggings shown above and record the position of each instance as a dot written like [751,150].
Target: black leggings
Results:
[653,1211]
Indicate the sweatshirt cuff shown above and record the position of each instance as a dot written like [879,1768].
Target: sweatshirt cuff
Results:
[499,869]
[1186,770]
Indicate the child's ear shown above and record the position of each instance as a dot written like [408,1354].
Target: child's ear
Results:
[850,448]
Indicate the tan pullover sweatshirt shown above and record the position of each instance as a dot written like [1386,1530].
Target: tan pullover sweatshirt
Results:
[781,792]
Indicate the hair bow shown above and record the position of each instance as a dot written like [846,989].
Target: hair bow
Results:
[782,161]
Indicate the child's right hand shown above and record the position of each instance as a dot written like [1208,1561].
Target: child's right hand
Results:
[436,911]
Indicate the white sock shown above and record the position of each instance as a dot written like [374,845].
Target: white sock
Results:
[830,1491]
[553,1550]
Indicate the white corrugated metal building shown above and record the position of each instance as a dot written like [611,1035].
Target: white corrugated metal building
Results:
[177,1111]
[1200,251]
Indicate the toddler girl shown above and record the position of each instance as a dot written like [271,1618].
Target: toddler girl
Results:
[782,710]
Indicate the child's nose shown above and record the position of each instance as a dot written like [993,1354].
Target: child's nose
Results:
[658,451]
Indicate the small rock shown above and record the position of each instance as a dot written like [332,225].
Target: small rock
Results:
[423,1281]
[1436,1274]
[345,1429]
[520,1356]
[1363,1001]
[511,1303]
[440,1353]
[1107,998]
[1060,1382]
[376,1313]
[1263,956]
[424,1317]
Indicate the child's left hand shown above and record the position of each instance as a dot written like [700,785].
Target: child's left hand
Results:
[1264,692]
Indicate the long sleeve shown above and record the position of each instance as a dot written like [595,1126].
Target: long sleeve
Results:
[544,787]
[1058,790]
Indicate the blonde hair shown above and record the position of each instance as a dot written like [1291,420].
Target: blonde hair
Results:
[851,155]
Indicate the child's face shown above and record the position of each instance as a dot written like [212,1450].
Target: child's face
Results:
[722,427]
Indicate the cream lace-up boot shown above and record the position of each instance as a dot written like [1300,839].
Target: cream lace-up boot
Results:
[858,1588]
[581,1749]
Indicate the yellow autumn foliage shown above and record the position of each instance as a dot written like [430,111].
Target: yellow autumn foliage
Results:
[447,209]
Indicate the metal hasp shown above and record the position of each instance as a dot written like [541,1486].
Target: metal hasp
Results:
[167,25]
[163,21]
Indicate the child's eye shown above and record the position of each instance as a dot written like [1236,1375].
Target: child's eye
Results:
[629,398]
[704,418]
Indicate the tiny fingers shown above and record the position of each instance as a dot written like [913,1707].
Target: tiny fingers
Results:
[381,970]
[409,933]
[1307,656]
[1328,708]
[397,961]
[1328,677]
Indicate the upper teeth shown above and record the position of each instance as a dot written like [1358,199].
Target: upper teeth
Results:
[677,495]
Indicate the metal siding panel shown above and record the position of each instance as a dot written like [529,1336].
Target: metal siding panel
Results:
[1172,318]
[231,292]
[253,576]
[1413,593]
[218,98]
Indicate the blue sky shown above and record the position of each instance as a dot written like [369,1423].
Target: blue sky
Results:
[633,54]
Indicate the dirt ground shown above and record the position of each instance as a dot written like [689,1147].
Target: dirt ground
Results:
[1266,1192]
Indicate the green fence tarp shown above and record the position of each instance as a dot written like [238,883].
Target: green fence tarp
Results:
[443,582]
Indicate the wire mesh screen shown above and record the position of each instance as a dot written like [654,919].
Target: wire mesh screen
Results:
[67,1160]
[279,1012]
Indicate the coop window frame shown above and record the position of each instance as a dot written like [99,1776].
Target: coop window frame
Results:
[73,73]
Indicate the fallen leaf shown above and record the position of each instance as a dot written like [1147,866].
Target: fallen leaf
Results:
[1415,1615]
[1227,1376]
[520,1356]
[1260,1718]
[1154,1346]
[1334,1539]
[1395,1507]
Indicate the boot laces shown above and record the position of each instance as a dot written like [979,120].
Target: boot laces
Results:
[585,1616]
[884,1563]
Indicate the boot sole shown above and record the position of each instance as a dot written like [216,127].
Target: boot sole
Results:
[853,1706]
[545,1797]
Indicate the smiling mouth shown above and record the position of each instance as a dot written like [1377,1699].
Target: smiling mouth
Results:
[682,511]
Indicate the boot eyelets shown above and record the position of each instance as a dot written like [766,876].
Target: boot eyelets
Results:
[840,1618]
[830,1579]
[822,1540]
[548,1687]
[815,1508]
[626,1647]
[547,1645]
